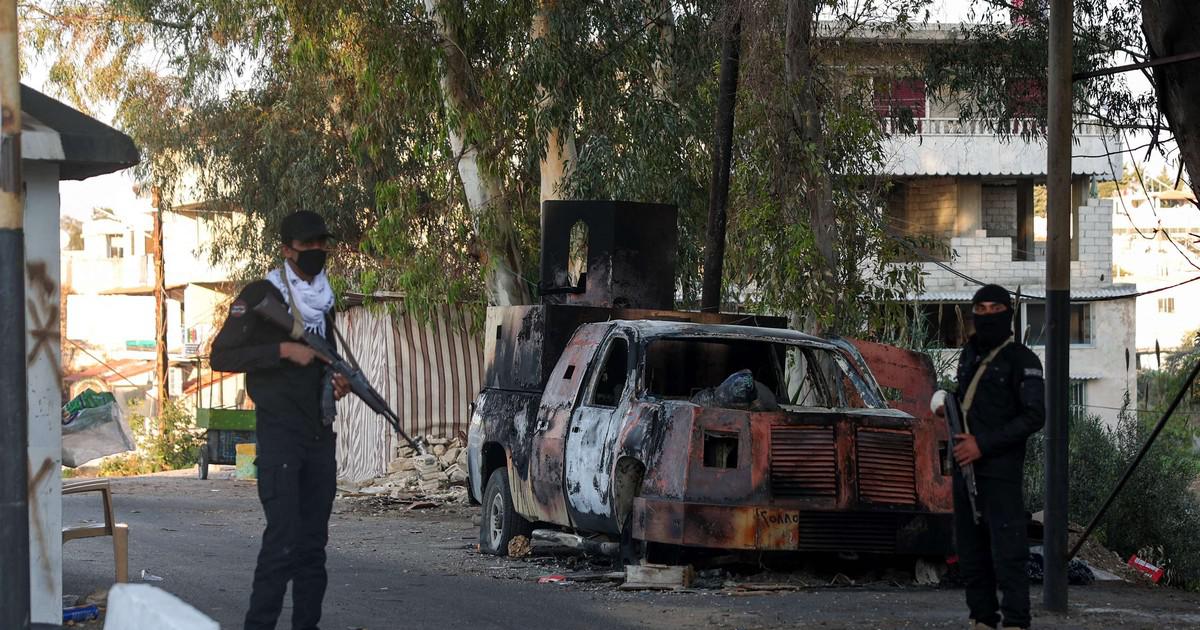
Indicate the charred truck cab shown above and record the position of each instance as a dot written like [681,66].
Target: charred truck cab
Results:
[608,413]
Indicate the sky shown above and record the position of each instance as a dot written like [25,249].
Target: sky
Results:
[116,190]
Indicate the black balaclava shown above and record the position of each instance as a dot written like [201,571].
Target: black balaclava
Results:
[992,330]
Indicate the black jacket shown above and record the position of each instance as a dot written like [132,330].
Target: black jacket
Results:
[287,397]
[1009,406]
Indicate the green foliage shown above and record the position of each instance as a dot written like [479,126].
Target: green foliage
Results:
[169,442]
[998,71]
[349,109]
[1157,509]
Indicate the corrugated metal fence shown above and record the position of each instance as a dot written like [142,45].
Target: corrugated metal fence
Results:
[429,373]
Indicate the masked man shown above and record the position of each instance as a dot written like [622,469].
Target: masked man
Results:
[1002,394]
[297,471]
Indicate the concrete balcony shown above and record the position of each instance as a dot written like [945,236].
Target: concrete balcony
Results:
[948,146]
[86,274]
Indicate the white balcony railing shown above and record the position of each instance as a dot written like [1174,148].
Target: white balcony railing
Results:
[950,147]
[985,127]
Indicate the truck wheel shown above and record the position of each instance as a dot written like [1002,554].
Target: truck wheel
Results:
[500,522]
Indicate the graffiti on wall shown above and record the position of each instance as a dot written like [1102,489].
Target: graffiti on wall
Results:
[42,306]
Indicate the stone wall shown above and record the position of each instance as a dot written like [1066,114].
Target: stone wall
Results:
[990,258]
[931,206]
[1000,210]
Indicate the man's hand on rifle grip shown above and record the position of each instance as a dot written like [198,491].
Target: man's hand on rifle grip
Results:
[966,450]
[341,387]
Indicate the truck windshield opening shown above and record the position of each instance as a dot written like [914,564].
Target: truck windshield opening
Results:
[786,374]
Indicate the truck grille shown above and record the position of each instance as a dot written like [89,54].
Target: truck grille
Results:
[803,462]
[885,467]
[843,531]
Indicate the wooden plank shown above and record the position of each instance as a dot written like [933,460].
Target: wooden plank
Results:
[657,577]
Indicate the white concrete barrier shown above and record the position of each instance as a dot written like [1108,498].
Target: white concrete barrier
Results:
[141,606]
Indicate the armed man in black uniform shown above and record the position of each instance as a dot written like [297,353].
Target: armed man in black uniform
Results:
[297,470]
[1002,394]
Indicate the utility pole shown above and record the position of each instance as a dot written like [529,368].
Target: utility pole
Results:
[14,402]
[160,308]
[1058,301]
[718,193]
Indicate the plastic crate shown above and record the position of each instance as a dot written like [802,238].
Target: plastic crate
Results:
[222,444]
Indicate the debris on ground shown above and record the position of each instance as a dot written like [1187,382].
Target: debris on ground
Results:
[556,578]
[98,597]
[1078,571]
[519,547]
[643,577]
[415,481]
[928,573]
[147,576]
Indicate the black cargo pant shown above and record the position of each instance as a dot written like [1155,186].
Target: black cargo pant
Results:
[994,553]
[296,486]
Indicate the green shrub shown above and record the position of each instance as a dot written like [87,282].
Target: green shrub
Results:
[168,442]
[1156,513]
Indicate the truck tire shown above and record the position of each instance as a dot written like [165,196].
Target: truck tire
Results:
[500,522]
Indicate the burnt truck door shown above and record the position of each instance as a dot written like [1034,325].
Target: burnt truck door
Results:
[542,497]
[604,401]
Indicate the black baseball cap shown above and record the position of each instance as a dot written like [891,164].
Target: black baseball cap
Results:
[303,225]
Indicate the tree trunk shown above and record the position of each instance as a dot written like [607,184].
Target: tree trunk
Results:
[1170,29]
[501,258]
[561,153]
[718,194]
[806,188]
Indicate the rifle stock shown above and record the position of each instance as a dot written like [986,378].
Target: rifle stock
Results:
[275,312]
[954,420]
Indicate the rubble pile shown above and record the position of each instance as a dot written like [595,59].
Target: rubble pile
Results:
[441,474]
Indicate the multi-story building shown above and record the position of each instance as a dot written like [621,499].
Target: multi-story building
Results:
[972,197]
[110,306]
[1154,241]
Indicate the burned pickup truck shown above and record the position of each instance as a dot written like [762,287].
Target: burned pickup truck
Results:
[684,429]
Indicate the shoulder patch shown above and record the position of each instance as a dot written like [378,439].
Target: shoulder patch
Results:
[237,309]
[1033,373]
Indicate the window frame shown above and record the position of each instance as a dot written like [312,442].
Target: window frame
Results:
[589,398]
[1039,341]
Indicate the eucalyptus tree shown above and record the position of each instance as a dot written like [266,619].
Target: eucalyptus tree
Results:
[429,131]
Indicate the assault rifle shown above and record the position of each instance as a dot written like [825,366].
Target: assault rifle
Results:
[275,312]
[954,419]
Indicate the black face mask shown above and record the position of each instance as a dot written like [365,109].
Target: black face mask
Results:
[311,261]
[992,330]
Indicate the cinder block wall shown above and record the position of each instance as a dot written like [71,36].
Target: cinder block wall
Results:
[931,206]
[1000,210]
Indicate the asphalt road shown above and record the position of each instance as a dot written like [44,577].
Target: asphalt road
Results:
[418,569]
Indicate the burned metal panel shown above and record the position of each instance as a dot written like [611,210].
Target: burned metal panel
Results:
[886,471]
[522,343]
[508,420]
[803,461]
[910,379]
[590,460]
[784,528]
[545,499]
[711,481]
[591,451]
[631,254]
[661,440]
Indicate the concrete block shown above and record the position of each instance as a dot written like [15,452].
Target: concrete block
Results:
[141,606]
